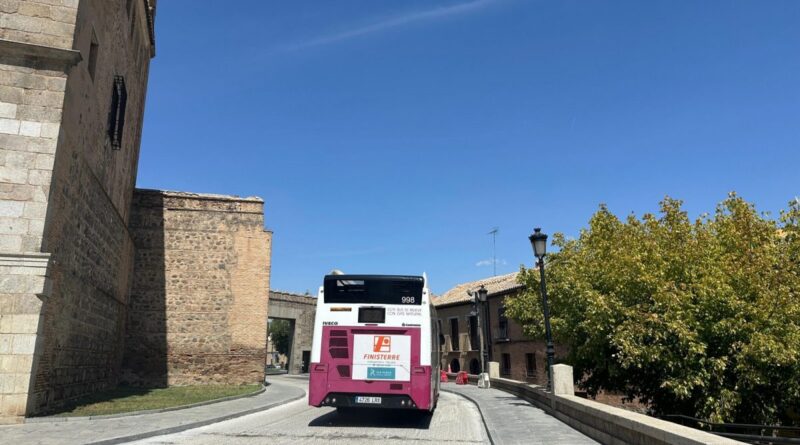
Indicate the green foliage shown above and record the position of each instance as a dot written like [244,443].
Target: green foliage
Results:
[692,317]
[280,331]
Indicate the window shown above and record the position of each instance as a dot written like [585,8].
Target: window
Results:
[530,365]
[440,332]
[355,289]
[502,324]
[474,366]
[93,48]
[116,115]
[506,366]
[454,334]
[474,341]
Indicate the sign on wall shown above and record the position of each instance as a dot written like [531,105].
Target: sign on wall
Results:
[381,357]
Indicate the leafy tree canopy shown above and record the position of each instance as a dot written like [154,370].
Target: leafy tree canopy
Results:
[691,317]
[280,331]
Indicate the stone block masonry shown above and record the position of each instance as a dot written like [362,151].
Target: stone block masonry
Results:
[32,95]
[66,256]
[198,305]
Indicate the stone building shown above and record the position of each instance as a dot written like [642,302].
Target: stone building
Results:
[300,312]
[73,78]
[73,81]
[520,357]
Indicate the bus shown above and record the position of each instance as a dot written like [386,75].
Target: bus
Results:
[375,344]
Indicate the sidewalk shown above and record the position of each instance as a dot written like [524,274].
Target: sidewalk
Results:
[135,427]
[512,420]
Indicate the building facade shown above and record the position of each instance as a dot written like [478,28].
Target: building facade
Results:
[73,81]
[73,78]
[520,357]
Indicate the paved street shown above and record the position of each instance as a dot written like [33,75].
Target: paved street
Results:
[117,430]
[281,415]
[511,420]
[456,421]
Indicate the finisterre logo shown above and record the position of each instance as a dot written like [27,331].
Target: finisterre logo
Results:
[381,343]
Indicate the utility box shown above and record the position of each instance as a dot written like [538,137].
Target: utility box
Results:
[562,380]
[494,370]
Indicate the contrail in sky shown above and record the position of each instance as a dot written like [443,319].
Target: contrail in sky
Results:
[393,22]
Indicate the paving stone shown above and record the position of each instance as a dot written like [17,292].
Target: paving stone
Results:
[512,420]
[54,430]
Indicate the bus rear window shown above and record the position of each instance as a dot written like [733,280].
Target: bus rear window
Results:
[355,289]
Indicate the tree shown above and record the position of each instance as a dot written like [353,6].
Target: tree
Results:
[280,331]
[690,317]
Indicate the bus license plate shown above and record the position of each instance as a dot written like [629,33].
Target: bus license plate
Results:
[371,400]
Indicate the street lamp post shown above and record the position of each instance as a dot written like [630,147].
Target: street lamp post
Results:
[479,299]
[539,243]
[482,295]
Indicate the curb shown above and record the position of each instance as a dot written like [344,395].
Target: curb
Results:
[477,405]
[192,425]
[49,419]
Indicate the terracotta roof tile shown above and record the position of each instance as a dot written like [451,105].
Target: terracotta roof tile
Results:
[495,285]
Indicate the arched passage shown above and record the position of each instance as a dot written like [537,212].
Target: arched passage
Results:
[294,313]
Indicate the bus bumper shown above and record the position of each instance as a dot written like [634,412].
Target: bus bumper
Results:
[395,401]
[415,394]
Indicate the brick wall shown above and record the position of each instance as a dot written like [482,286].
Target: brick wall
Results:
[198,307]
[516,344]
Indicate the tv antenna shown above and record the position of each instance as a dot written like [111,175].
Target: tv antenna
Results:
[493,232]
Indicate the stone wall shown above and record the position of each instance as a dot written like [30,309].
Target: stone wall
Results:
[41,22]
[302,309]
[87,217]
[32,83]
[198,306]
[65,194]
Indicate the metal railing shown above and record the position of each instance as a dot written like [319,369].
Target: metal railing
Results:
[750,433]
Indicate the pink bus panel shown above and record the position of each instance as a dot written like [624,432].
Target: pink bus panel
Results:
[333,373]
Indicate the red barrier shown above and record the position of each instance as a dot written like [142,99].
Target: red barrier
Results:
[461,378]
[443,376]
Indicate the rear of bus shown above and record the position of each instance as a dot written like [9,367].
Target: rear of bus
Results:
[373,344]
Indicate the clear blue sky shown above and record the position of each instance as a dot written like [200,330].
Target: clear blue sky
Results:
[390,137]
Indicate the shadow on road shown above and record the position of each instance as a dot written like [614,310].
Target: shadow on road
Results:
[378,418]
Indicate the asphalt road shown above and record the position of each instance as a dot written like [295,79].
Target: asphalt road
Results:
[455,421]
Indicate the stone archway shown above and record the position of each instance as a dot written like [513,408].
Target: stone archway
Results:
[298,311]
[474,366]
[280,336]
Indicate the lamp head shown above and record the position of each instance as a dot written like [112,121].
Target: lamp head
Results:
[482,294]
[538,243]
